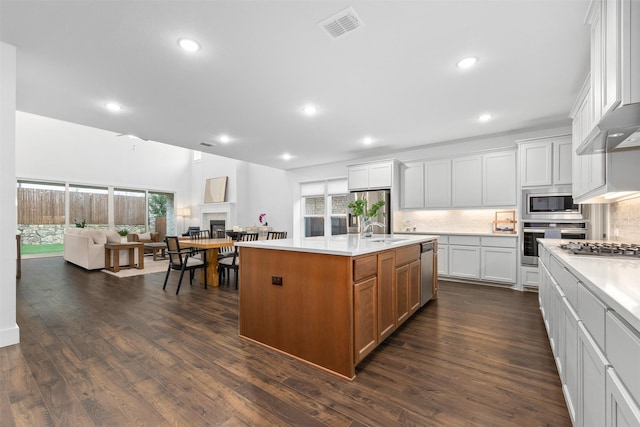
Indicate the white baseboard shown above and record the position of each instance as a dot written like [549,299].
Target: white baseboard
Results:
[10,336]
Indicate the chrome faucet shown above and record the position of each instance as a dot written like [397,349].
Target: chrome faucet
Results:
[368,225]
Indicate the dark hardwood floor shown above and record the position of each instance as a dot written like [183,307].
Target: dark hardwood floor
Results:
[98,350]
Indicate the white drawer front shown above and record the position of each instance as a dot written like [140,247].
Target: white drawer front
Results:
[592,312]
[464,240]
[566,280]
[499,242]
[622,348]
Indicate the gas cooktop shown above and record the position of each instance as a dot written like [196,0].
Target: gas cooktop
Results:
[616,250]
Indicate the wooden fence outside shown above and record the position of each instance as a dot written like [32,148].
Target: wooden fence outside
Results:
[45,206]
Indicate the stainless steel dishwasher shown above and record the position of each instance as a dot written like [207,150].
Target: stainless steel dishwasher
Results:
[428,252]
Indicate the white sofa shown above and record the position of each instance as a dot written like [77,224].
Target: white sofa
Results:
[85,247]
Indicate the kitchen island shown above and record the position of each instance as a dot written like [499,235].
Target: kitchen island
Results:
[329,300]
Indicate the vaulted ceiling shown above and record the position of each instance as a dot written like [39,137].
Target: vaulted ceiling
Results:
[394,79]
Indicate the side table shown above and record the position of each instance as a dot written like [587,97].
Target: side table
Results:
[157,247]
[116,248]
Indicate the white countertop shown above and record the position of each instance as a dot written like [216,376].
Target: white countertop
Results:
[344,244]
[456,233]
[614,280]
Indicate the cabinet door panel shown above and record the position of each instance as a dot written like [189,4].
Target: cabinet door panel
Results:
[402,294]
[380,175]
[358,177]
[443,260]
[498,264]
[365,309]
[562,159]
[386,295]
[437,184]
[466,182]
[499,179]
[622,411]
[464,261]
[592,369]
[414,286]
[412,191]
[535,164]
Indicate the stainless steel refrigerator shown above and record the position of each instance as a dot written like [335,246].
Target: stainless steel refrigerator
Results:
[373,196]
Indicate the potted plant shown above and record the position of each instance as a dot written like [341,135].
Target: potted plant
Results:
[123,234]
[360,209]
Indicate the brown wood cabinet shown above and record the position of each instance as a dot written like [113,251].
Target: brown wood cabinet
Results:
[365,320]
[328,310]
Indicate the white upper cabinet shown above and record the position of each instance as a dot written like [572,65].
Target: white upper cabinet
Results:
[615,55]
[485,180]
[437,183]
[412,186]
[535,164]
[546,162]
[371,176]
[466,182]
[498,179]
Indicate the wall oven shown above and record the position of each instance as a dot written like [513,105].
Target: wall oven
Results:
[532,230]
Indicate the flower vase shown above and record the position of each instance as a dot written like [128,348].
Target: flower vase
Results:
[366,230]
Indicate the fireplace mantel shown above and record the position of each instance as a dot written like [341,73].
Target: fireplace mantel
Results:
[225,210]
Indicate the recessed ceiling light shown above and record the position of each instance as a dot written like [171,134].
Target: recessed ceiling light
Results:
[286,156]
[467,62]
[310,110]
[484,117]
[615,135]
[224,139]
[112,106]
[367,140]
[189,45]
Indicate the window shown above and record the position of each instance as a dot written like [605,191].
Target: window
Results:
[89,206]
[324,207]
[41,217]
[161,213]
[130,207]
[314,212]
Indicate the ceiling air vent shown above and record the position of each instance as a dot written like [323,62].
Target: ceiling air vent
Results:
[206,144]
[341,23]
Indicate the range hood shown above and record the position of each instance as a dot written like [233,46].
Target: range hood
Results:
[618,129]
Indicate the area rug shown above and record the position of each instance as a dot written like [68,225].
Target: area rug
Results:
[150,266]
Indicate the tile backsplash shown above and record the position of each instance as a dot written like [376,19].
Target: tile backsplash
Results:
[624,221]
[454,221]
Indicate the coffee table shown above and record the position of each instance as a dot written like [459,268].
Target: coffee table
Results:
[157,247]
[116,248]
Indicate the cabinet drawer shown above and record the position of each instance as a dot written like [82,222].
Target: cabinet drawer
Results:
[622,348]
[443,240]
[364,267]
[407,254]
[464,240]
[498,242]
[592,312]
[566,280]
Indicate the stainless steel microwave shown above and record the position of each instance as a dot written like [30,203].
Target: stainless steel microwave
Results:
[540,204]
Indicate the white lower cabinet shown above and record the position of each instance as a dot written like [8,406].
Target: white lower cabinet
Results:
[592,370]
[601,385]
[487,258]
[464,261]
[529,277]
[621,410]
[569,356]
[443,259]
[498,264]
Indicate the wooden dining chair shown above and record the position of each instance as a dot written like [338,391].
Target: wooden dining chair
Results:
[273,235]
[183,259]
[225,265]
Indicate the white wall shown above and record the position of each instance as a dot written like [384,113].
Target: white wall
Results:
[54,150]
[9,331]
[254,189]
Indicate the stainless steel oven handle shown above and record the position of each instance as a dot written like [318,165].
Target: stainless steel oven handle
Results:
[562,230]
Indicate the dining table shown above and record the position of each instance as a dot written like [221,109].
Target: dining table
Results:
[212,246]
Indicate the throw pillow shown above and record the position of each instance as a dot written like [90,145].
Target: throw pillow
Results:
[113,237]
[99,236]
[144,236]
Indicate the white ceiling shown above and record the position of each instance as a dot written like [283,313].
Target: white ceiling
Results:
[394,79]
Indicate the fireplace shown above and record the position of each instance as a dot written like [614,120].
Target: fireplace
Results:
[216,225]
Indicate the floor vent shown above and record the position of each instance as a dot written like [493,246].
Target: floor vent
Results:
[341,23]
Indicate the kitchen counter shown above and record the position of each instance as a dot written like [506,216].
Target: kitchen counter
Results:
[615,281]
[343,245]
[454,233]
[329,301]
